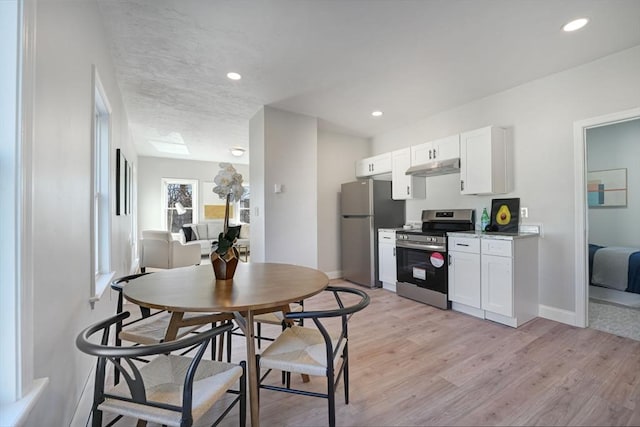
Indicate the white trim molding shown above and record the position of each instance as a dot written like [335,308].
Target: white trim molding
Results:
[580,208]
[15,414]
[23,390]
[334,274]
[557,314]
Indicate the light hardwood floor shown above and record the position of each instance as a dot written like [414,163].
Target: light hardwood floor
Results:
[415,365]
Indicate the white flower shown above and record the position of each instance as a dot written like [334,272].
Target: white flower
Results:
[228,182]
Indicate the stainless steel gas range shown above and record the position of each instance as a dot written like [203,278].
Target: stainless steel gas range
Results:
[422,259]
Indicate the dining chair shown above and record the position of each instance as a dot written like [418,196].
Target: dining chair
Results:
[170,390]
[271,318]
[151,326]
[276,318]
[315,351]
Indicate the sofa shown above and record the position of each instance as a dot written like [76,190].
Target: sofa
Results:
[205,233]
[158,249]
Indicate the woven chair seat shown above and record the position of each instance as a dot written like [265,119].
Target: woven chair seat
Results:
[299,349]
[164,380]
[276,317]
[152,330]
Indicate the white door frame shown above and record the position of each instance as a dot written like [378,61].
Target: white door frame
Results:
[581,211]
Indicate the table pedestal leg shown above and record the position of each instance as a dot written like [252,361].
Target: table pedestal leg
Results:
[246,324]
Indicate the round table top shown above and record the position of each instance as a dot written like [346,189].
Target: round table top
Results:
[255,286]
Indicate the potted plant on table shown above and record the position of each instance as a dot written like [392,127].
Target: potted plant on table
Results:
[224,257]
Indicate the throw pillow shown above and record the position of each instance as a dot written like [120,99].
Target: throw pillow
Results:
[188,234]
[194,232]
[214,228]
[202,231]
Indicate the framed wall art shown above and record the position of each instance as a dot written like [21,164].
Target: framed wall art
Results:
[129,188]
[505,215]
[607,188]
[121,182]
[212,205]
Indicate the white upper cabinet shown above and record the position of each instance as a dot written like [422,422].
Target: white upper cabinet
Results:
[483,161]
[405,186]
[375,165]
[439,149]
[447,148]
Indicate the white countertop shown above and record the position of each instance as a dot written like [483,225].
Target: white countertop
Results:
[491,235]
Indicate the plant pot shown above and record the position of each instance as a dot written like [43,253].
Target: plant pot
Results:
[225,267]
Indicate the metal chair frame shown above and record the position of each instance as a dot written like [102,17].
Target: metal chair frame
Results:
[133,377]
[145,312]
[333,376]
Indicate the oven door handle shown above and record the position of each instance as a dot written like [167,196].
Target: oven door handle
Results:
[403,244]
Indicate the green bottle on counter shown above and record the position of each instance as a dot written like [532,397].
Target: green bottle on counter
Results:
[484,220]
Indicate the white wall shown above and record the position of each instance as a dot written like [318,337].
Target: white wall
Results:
[289,144]
[540,115]
[69,39]
[151,170]
[257,167]
[337,154]
[613,147]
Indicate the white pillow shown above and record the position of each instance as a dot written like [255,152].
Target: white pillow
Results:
[214,229]
[203,231]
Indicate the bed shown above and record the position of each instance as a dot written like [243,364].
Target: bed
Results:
[615,267]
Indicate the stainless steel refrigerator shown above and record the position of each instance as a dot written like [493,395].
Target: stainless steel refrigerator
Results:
[365,207]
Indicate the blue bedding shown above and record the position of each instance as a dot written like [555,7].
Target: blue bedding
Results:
[633,282]
[634,273]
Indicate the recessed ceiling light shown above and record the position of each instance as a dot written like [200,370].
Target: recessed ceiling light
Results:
[237,151]
[234,76]
[576,24]
[376,113]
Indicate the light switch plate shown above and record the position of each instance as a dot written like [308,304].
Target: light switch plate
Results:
[524,212]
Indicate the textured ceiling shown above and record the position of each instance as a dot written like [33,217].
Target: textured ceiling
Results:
[336,60]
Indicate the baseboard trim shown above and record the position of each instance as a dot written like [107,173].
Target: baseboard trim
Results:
[334,274]
[558,314]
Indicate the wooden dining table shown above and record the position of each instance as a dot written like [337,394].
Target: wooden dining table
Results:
[255,289]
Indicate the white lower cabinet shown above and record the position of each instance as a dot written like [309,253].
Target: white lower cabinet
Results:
[497,284]
[387,259]
[496,279]
[464,271]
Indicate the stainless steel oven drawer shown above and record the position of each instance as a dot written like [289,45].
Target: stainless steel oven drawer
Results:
[423,295]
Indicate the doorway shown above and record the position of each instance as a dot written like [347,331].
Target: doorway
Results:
[582,131]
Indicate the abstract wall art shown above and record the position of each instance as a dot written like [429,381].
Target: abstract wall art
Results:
[607,188]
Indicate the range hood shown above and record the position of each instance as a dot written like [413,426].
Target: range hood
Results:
[442,167]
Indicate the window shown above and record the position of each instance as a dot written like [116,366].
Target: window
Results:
[244,207]
[19,390]
[100,211]
[10,290]
[179,197]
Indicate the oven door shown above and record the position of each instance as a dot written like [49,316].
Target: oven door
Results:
[426,268]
